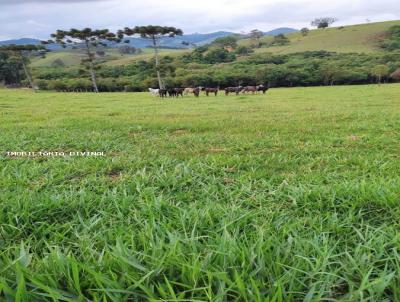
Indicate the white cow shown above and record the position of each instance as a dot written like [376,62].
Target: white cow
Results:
[154,92]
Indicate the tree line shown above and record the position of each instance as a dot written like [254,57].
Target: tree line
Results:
[300,69]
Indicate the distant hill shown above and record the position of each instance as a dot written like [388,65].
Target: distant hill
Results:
[281,30]
[198,39]
[167,42]
[22,41]
[25,41]
[185,41]
[178,41]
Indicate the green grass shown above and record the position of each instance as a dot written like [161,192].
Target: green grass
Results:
[147,54]
[362,38]
[291,196]
[69,57]
[73,57]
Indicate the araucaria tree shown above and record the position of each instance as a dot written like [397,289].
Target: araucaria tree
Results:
[153,33]
[87,38]
[256,35]
[21,53]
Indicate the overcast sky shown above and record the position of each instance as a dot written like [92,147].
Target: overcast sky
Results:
[39,18]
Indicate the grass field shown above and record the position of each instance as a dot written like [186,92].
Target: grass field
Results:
[112,58]
[291,196]
[362,38]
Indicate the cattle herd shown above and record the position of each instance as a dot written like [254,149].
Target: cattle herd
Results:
[180,92]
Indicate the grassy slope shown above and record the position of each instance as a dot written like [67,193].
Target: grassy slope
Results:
[361,38]
[292,196]
[69,57]
[73,57]
[148,54]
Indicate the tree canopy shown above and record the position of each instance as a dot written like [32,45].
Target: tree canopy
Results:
[21,53]
[323,22]
[151,31]
[226,42]
[75,36]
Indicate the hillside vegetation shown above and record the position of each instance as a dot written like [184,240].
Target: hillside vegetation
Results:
[289,196]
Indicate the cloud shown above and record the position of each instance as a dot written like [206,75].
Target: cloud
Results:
[16,2]
[34,18]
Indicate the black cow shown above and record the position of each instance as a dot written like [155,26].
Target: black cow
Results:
[262,88]
[179,92]
[163,93]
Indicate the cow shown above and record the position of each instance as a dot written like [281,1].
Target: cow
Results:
[171,92]
[252,89]
[262,88]
[154,92]
[196,91]
[188,91]
[179,92]
[211,90]
[163,93]
[233,89]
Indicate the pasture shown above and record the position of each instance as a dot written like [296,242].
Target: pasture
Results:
[288,196]
[361,38]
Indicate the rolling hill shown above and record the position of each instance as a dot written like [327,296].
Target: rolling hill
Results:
[362,38]
[112,57]
[70,57]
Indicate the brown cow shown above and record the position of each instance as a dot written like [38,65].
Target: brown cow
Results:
[196,92]
[252,89]
[233,89]
[211,90]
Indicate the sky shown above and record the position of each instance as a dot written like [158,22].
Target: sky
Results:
[40,18]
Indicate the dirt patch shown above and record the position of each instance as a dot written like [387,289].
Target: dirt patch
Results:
[113,114]
[217,150]
[228,181]
[231,170]
[179,132]
[114,174]
[354,138]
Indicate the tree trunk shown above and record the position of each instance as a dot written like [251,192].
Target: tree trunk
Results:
[160,82]
[91,67]
[27,73]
